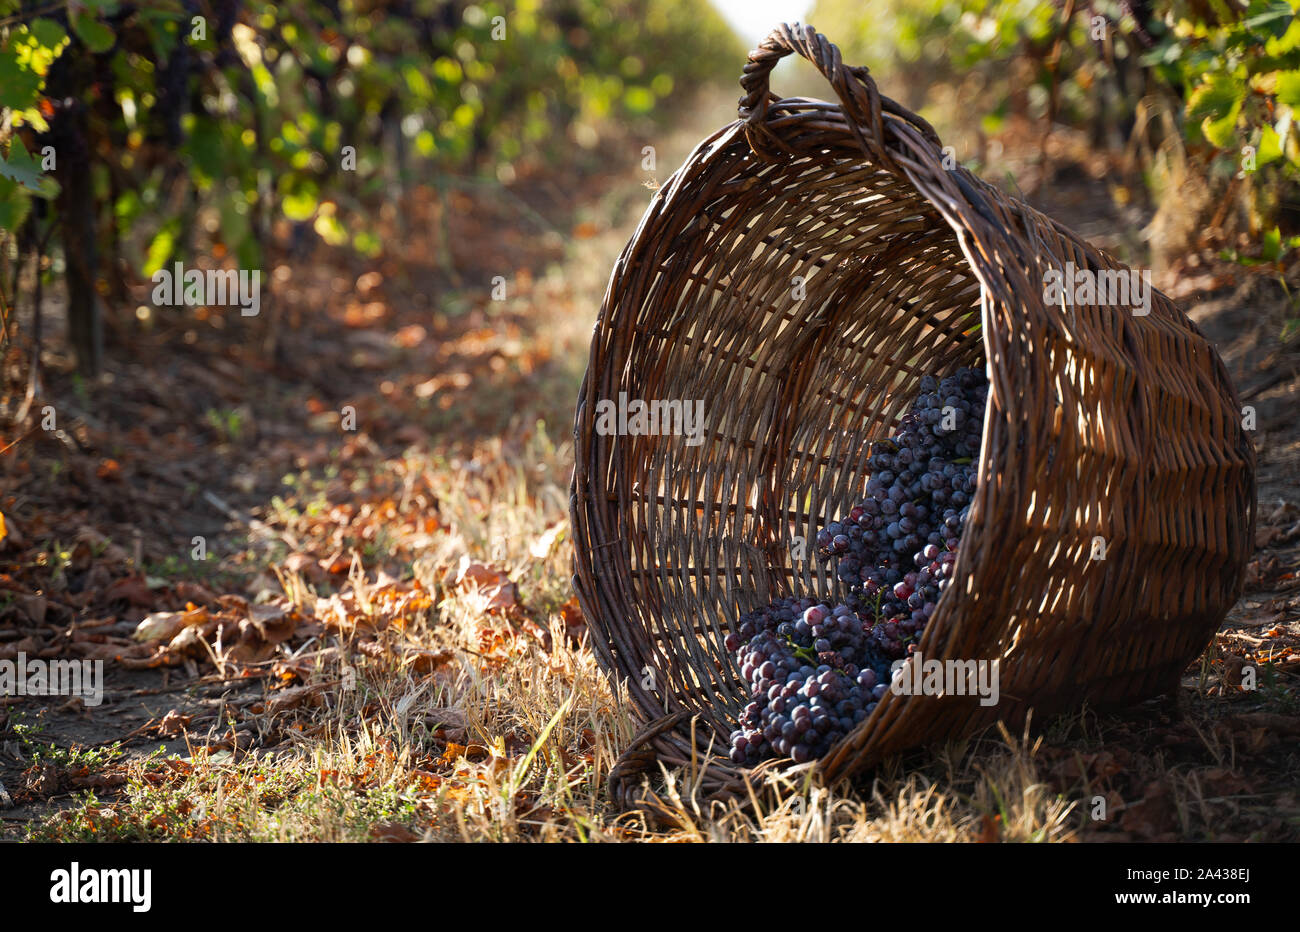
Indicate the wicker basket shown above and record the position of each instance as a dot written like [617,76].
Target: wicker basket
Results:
[798,275]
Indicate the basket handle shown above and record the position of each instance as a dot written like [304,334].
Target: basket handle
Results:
[862,102]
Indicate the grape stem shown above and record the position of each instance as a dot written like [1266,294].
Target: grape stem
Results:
[803,653]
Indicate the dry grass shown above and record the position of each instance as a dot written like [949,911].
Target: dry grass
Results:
[461,721]
[507,740]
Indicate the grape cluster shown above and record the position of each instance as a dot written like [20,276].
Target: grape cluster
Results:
[895,549]
[813,671]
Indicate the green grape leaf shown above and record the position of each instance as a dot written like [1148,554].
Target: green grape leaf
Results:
[18,86]
[15,203]
[20,166]
[1277,46]
[1288,89]
[1270,147]
[1216,103]
[1215,97]
[1221,132]
[1268,17]
[48,33]
[161,249]
[96,36]
[157,26]
[1271,245]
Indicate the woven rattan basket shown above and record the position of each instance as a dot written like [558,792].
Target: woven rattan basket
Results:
[798,275]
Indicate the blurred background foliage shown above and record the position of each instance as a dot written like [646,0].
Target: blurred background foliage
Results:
[134,134]
[1199,90]
[124,123]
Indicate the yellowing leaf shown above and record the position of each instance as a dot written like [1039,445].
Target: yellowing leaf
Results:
[1216,105]
[1270,147]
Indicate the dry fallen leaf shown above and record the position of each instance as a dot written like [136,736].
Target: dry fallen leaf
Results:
[32,606]
[105,550]
[391,832]
[295,696]
[426,661]
[109,469]
[274,623]
[305,565]
[187,643]
[194,593]
[471,574]
[1151,815]
[173,723]
[575,625]
[337,564]
[133,589]
[164,626]
[251,647]
[11,535]
[235,603]
[542,547]
[1279,724]
[492,588]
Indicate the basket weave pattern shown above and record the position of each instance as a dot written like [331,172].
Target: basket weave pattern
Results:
[1100,424]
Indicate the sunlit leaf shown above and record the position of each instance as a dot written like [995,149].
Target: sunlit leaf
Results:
[48,33]
[1216,104]
[1288,89]
[1271,245]
[328,228]
[161,248]
[18,85]
[301,204]
[1270,147]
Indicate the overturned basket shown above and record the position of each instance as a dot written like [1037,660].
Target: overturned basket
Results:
[798,275]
